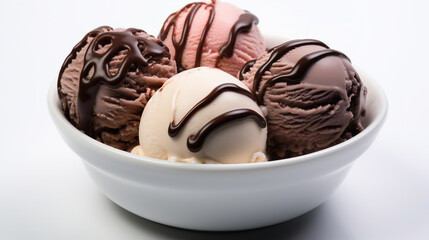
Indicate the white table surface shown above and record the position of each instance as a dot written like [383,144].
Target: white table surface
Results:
[45,192]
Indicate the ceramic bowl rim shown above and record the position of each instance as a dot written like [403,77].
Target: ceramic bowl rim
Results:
[61,121]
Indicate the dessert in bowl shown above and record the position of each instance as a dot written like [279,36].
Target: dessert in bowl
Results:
[222,197]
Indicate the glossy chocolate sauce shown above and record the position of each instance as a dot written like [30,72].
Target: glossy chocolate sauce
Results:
[140,52]
[74,52]
[180,45]
[195,142]
[244,24]
[246,68]
[298,71]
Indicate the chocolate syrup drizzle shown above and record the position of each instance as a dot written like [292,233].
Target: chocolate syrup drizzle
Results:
[180,45]
[140,52]
[298,72]
[195,142]
[74,52]
[244,24]
[246,68]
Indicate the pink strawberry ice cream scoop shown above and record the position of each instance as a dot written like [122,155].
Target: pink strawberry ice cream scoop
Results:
[212,34]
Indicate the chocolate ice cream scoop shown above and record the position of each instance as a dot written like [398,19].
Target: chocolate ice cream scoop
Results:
[313,96]
[107,79]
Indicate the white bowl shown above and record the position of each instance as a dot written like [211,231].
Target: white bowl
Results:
[221,197]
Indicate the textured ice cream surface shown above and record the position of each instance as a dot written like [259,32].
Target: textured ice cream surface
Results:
[313,97]
[107,80]
[203,115]
[212,34]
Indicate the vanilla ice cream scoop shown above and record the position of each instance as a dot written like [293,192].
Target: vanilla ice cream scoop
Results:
[203,115]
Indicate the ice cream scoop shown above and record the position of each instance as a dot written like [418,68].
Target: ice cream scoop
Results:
[313,96]
[107,79]
[203,115]
[212,34]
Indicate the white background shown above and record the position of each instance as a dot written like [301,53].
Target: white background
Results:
[45,192]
